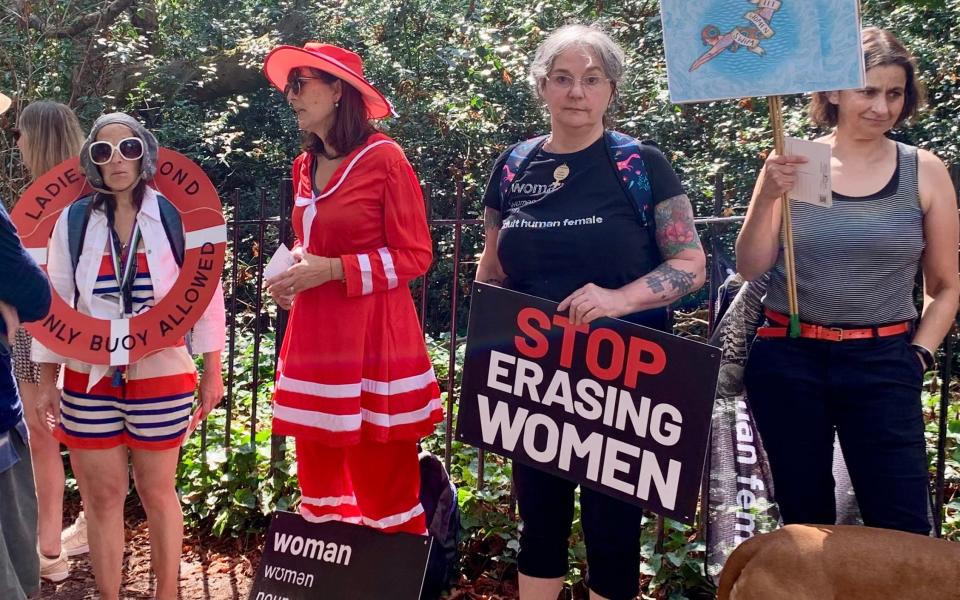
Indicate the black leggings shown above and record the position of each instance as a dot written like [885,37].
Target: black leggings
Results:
[611,530]
[868,391]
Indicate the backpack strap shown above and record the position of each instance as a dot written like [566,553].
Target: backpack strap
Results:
[625,157]
[624,152]
[516,163]
[173,227]
[78,215]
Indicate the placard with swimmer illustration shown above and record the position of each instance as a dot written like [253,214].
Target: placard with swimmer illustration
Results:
[719,49]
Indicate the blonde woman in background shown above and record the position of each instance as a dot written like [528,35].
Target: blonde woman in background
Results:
[47,133]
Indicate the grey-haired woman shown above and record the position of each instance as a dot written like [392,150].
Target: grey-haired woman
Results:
[139,413]
[608,253]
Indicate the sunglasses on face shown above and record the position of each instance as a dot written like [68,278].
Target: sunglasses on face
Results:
[295,85]
[130,148]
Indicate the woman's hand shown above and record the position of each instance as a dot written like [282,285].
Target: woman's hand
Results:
[311,271]
[48,405]
[592,302]
[11,320]
[211,384]
[778,177]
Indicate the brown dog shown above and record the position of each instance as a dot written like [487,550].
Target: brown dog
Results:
[841,562]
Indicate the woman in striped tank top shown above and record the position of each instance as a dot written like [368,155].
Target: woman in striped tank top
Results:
[139,413]
[857,368]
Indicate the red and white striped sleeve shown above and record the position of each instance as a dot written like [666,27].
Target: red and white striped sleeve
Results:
[408,250]
[302,186]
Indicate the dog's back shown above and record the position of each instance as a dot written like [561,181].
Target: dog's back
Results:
[841,562]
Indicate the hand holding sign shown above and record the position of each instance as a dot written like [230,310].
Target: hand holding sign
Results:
[778,177]
[592,302]
[616,407]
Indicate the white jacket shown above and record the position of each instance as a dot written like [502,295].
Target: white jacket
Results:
[209,333]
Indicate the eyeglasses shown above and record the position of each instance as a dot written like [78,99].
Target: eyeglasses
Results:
[130,148]
[295,85]
[565,82]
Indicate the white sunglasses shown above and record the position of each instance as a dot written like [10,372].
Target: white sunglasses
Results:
[130,148]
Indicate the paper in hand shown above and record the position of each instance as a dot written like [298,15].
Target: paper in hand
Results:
[813,177]
[281,260]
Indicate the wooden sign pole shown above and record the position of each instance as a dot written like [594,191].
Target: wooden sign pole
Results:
[786,228]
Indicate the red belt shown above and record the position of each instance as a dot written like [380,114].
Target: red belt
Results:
[831,334]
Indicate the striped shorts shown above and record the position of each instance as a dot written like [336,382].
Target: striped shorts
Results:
[149,411]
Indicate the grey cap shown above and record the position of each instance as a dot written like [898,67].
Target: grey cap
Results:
[148,164]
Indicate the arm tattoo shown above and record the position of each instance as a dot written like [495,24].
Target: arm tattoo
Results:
[491,218]
[668,282]
[676,230]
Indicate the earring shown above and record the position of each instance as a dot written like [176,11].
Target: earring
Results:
[336,105]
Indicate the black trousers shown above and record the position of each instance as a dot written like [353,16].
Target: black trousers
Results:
[868,392]
[611,531]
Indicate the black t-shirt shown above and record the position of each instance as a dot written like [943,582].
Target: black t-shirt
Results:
[566,227]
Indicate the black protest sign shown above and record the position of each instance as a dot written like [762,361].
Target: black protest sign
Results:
[338,561]
[616,407]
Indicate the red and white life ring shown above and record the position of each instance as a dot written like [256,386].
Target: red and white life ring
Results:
[75,335]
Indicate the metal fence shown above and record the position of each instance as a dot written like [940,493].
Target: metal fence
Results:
[266,228]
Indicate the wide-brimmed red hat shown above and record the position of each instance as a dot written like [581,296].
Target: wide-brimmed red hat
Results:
[337,61]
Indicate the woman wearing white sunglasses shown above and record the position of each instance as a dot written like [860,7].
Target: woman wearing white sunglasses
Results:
[139,413]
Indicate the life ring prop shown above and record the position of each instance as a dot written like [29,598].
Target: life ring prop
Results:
[75,335]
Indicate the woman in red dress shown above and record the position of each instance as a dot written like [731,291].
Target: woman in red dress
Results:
[355,386]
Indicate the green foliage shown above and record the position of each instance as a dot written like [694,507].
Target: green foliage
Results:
[456,71]
[232,490]
[931,403]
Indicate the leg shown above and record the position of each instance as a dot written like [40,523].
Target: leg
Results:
[611,530]
[104,481]
[154,474]
[880,423]
[326,492]
[386,480]
[546,511]
[19,564]
[786,386]
[539,588]
[48,472]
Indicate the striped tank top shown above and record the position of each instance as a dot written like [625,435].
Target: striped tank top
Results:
[107,285]
[857,261]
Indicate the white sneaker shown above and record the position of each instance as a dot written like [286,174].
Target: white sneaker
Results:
[74,538]
[54,569]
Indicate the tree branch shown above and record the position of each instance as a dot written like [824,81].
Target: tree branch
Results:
[102,18]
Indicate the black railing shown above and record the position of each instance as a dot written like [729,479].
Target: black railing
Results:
[269,229]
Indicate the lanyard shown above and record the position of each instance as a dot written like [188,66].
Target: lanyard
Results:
[125,266]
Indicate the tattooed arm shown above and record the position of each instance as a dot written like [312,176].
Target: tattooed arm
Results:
[684,268]
[683,271]
[489,269]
